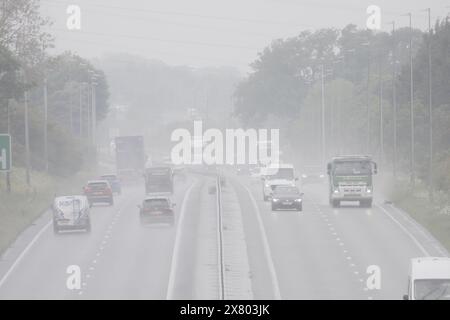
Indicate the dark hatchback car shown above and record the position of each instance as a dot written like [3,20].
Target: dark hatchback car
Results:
[114,182]
[286,197]
[157,209]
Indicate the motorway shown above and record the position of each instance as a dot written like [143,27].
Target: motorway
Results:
[319,253]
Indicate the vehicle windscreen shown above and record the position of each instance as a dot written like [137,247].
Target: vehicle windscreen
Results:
[155,204]
[280,173]
[69,205]
[97,186]
[352,168]
[291,191]
[109,178]
[432,289]
[158,175]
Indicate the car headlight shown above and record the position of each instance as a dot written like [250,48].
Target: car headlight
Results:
[275,200]
[267,185]
[369,191]
[336,190]
[298,200]
[322,176]
[304,176]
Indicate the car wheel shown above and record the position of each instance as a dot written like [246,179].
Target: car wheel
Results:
[300,208]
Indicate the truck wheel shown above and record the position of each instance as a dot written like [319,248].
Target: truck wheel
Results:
[88,226]
[365,203]
[55,228]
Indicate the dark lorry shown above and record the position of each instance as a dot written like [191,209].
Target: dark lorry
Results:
[130,157]
[158,179]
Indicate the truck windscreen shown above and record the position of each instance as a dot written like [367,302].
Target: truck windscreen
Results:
[352,168]
[280,173]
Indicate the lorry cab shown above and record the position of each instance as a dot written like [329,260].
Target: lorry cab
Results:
[351,179]
[429,279]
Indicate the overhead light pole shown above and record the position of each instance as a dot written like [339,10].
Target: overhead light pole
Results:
[412,125]
[394,102]
[45,125]
[430,110]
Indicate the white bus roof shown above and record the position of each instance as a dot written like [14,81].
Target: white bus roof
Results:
[430,268]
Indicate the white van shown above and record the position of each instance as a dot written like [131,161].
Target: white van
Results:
[429,279]
[71,213]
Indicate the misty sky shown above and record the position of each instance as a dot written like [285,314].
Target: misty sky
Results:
[203,33]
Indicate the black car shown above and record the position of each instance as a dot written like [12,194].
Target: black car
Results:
[286,197]
[157,209]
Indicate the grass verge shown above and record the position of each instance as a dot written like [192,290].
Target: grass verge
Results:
[434,216]
[25,204]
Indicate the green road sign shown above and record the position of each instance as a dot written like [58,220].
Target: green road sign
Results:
[5,152]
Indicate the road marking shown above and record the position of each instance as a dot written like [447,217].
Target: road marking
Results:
[424,251]
[266,246]
[24,252]
[176,248]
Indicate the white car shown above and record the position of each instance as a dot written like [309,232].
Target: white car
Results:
[71,213]
[277,175]
[429,279]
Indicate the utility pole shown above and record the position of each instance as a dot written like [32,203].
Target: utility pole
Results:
[412,160]
[323,141]
[45,126]
[394,100]
[430,109]
[380,85]
[27,140]
[80,89]
[368,98]
[8,128]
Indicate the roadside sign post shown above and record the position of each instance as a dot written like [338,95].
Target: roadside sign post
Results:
[5,157]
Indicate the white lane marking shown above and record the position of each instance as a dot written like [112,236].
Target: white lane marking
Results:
[176,248]
[273,274]
[24,252]
[424,251]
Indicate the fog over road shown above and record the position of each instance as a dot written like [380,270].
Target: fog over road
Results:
[319,253]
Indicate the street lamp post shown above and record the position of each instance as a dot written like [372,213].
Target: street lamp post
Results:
[430,109]
[380,84]
[394,102]
[323,141]
[45,125]
[412,159]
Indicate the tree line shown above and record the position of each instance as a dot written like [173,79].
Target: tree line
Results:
[28,69]
[366,96]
